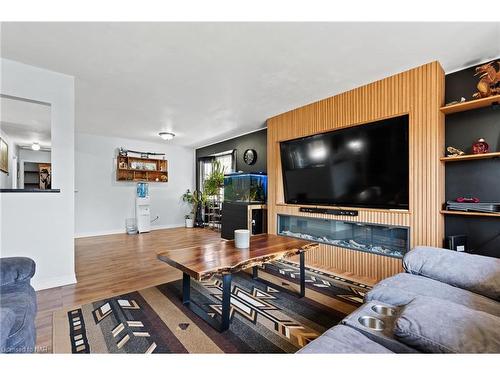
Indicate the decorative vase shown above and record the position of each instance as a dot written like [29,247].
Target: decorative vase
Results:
[190,223]
[480,147]
[242,238]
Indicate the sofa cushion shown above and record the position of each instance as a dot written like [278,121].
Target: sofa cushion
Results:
[402,288]
[342,339]
[7,320]
[20,299]
[23,340]
[435,326]
[476,273]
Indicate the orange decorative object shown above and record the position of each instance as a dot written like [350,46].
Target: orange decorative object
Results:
[489,83]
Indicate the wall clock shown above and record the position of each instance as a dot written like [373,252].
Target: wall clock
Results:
[250,156]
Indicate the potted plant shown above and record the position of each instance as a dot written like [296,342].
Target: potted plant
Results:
[196,200]
[190,199]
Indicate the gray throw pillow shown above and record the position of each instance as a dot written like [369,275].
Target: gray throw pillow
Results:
[432,325]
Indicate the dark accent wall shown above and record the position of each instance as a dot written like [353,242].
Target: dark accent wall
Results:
[479,178]
[256,140]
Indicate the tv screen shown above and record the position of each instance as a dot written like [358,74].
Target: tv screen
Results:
[360,166]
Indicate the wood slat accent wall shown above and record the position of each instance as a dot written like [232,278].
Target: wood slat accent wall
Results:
[418,92]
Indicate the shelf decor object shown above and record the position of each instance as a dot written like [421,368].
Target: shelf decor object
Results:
[454,151]
[489,78]
[480,147]
[130,168]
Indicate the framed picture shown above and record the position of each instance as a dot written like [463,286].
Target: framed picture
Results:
[4,156]
[45,176]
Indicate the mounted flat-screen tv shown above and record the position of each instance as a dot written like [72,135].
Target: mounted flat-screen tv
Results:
[360,166]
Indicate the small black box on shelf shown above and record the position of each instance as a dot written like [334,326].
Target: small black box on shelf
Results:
[457,242]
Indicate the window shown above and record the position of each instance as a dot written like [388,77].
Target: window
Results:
[227,160]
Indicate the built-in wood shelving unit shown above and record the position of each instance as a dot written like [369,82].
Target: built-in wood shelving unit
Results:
[141,169]
[462,107]
[470,213]
[470,105]
[489,155]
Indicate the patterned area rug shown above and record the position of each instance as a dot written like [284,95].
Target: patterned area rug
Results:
[264,319]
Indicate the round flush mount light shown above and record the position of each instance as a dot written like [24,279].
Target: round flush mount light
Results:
[166,135]
[35,146]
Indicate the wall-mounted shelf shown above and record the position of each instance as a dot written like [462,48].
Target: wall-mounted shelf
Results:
[469,213]
[489,155]
[471,104]
[141,169]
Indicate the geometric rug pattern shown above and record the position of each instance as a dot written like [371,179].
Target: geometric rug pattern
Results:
[346,289]
[264,319]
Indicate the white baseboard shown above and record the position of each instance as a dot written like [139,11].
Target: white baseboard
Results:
[122,230]
[53,282]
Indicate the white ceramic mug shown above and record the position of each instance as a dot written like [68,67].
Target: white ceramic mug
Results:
[242,238]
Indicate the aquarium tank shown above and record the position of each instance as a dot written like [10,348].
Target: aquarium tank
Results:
[245,188]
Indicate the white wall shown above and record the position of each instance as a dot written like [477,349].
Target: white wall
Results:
[102,204]
[40,156]
[41,225]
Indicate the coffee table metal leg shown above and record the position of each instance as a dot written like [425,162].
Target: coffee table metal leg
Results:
[302,270]
[221,326]
[186,288]
[255,272]
[226,301]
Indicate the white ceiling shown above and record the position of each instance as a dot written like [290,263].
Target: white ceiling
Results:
[209,81]
[25,122]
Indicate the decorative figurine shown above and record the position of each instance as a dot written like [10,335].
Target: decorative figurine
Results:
[454,152]
[489,83]
[462,99]
[480,146]
[198,220]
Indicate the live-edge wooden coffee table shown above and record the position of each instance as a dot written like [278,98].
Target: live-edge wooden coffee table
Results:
[223,259]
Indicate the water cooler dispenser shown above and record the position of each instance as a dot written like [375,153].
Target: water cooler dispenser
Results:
[142,211]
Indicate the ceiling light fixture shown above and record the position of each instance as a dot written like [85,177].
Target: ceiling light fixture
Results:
[35,146]
[166,135]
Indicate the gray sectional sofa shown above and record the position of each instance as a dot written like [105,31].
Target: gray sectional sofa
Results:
[17,305]
[445,302]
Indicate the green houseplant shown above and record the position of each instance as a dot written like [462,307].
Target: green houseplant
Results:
[215,180]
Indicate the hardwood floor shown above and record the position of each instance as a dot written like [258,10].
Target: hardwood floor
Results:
[112,265]
[116,264]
